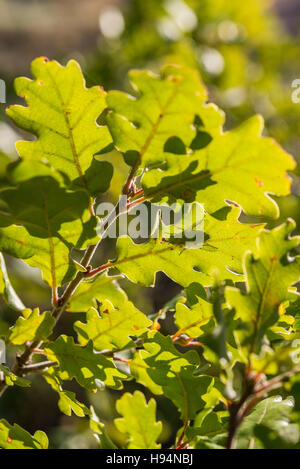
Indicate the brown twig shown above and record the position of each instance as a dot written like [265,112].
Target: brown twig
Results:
[254,392]
[35,367]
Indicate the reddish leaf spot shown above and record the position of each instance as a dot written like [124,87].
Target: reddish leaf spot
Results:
[155,326]
[258,182]
[187,194]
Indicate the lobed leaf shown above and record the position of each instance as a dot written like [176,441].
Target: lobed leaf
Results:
[112,328]
[11,379]
[32,326]
[15,437]
[139,421]
[271,416]
[67,402]
[98,289]
[164,370]
[62,113]
[161,117]
[270,275]
[190,320]
[81,363]
[44,223]
[234,166]
[224,243]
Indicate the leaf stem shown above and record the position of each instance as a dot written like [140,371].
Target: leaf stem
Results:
[180,444]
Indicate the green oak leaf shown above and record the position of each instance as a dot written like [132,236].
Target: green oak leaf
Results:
[190,320]
[164,370]
[62,113]
[294,310]
[11,379]
[283,356]
[112,328]
[15,437]
[225,242]
[22,170]
[234,166]
[97,289]
[162,117]
[32,326]
[208,430]
[270,276]
[138,421]
[81,363]
[270,416]
[98,429]
[67,402]
[6,289]
[44,223]
[4,163]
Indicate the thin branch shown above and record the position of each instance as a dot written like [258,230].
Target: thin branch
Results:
[98,270]
[252,396]
[234,414]
[35,367]
[135,202]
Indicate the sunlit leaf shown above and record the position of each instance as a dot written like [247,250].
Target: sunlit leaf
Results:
[164,370]
[269,420]
[67,402]
[139,421]
[6,289]
[81,363]
[32,325]
[225,241]
[270,275]
[62,113]
[15,437]
[11,379]
[112,328]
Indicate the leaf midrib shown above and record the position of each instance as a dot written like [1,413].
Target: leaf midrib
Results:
[69,128]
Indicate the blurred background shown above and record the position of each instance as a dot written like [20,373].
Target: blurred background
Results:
[248,56]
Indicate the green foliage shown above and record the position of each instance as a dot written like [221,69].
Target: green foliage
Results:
[11,379]
[6,289]
[32,326]
[100,288]
[138,421]
[231,164]
[67,402]
[224,242]
[69,137]
[164,370]
[236,300]
[98,429]
[269,423]
[81,363]
[269,278]
[143,128]
[46,232]
[14,437]
[112,329]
